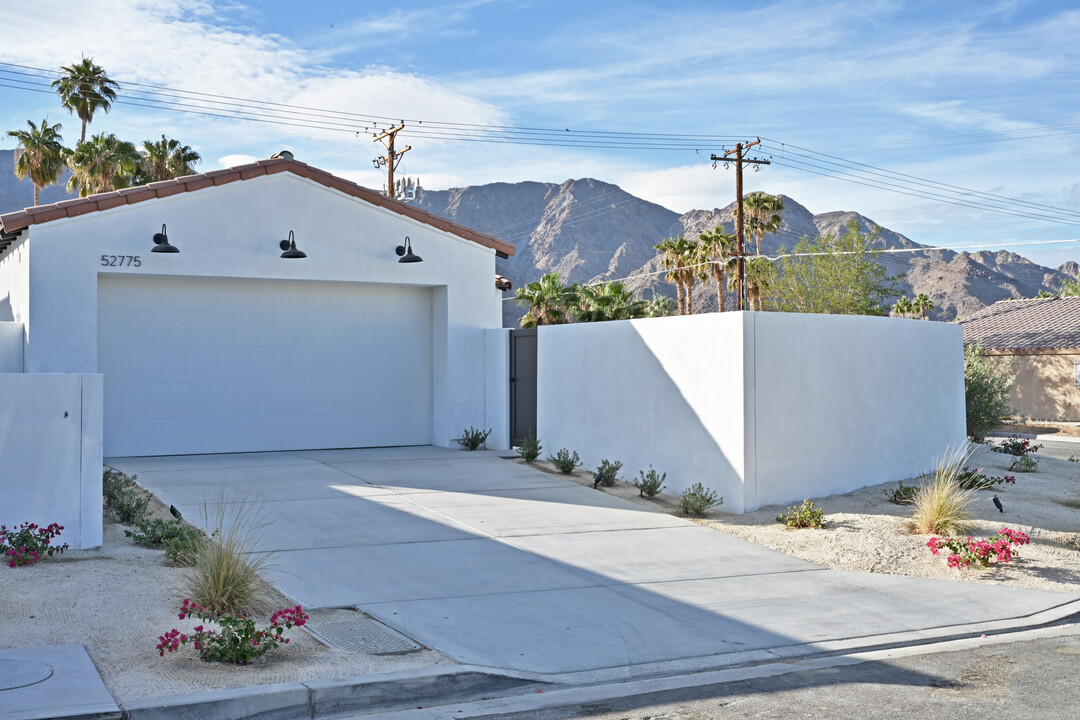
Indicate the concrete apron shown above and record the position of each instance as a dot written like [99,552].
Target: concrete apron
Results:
[508,568]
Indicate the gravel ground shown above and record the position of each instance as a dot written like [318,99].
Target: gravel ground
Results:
[866,532]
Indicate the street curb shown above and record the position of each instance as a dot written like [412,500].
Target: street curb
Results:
[324,698]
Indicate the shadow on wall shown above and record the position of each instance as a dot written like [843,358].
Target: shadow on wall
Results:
[7,313]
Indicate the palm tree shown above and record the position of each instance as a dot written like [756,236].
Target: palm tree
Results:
[902,307]
[762,214]
[922,305]
[671,259]
[660,306]
[718,247]
[102,164]
[84,88]
[760,276]
[548,301]
[39,155]
[165,159]
[607,301]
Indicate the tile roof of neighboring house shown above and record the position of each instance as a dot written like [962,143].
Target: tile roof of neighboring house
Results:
[502,283]
[15,221]
[1026,325]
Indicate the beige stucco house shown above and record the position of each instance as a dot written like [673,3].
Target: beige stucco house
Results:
[1041,337]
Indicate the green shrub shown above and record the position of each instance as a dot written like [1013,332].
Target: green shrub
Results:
[565,461]
[530,447]
[180,541]
[649,484]
[902,495]
[1024,463]
[806,515]
[124,499]
[697,498]
[474,438]
[986,392]
[607,474]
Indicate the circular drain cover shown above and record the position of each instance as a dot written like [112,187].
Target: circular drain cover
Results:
[20,673]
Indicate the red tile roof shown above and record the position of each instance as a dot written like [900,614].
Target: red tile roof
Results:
[15,221]
[502,283]
[1039,324]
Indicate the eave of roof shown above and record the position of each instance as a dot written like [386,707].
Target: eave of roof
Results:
[14,222]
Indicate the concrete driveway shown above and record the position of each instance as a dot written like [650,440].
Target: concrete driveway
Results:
[498,564]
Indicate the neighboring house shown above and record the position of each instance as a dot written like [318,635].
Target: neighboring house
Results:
[231,345]
[1041,338]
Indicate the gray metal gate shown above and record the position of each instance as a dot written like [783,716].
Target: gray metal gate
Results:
[522,384]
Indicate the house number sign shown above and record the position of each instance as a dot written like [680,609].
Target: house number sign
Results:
[121,261]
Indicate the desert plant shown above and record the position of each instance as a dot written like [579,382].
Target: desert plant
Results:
[236,640]
[181,541]
[1024,463]
[124,499]
[902,495]
[474,438]
[25,544]
[697,498]
[976,480]
[981,553]
[227,575]
[942,507]
[987,385]
[806,515]
[607,474]
[649,484]
[1016,446]
[565,461]
[530,447]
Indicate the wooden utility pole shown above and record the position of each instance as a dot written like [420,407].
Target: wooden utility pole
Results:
[740,290]
[392,158]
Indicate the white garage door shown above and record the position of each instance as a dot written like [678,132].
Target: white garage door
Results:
[209,365]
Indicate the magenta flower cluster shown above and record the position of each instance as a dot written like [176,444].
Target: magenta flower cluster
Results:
[236,640]
[965,552]
[1017,446]
[25,545]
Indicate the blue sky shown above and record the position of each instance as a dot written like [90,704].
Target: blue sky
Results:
[979,96]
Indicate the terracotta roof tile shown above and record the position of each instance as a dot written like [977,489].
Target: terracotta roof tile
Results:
[1032,325]
[15,221]
[502,283]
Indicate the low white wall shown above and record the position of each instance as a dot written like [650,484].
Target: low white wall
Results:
[762,407]
[11,347]
[666,392]
[497,391]
[51,453]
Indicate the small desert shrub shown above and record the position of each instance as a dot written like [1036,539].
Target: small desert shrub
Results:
[986,392]
[902,495]
[607,474]
[474,438]
[236,640]
[697,498]
[124,499]
[565,461]
[26,544]
[942,507]
[228,574]
[806,515]
[1015,445]
[530,447]
[977,480]
[650,483]
[180,541]
[1024,463]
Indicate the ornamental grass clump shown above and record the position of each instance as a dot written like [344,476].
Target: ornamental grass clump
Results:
[942,506]
[228,574]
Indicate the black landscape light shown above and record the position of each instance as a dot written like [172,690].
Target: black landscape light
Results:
[161,242]
[406,253]
[289,246]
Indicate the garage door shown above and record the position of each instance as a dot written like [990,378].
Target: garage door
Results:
[208,365]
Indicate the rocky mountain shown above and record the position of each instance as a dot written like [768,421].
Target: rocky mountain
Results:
[587,230]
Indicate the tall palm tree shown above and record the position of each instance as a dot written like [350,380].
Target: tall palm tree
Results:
[39,155]
[165,159]
[102,164]
[607,301]
[922,305]
[902,307]
[762,214]
[84,88]
[681,256]
[548,301]
[760,277]
[718,247]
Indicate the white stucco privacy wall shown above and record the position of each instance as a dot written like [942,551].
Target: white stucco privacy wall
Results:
[51,453]
[762,407]
[11,347]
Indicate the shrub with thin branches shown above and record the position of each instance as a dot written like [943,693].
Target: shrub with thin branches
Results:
[942,506]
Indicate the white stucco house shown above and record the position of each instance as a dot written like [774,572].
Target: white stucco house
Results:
[232,342]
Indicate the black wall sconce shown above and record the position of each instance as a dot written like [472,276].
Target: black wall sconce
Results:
[289,246]
[406,253]
[161,242]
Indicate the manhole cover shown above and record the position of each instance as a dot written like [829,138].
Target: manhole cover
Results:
[20,673]
[352,631]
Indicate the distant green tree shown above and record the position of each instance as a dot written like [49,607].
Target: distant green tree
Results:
[84,88]
[39,155]
[760,278]
[718,249]
[548,300]
[1070,288]
[606,301]
[165,159]
[922,305]
[681,257]
[102,164]
[762,215]
[902,306]
[661,306]
[987,386]
[833,274]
